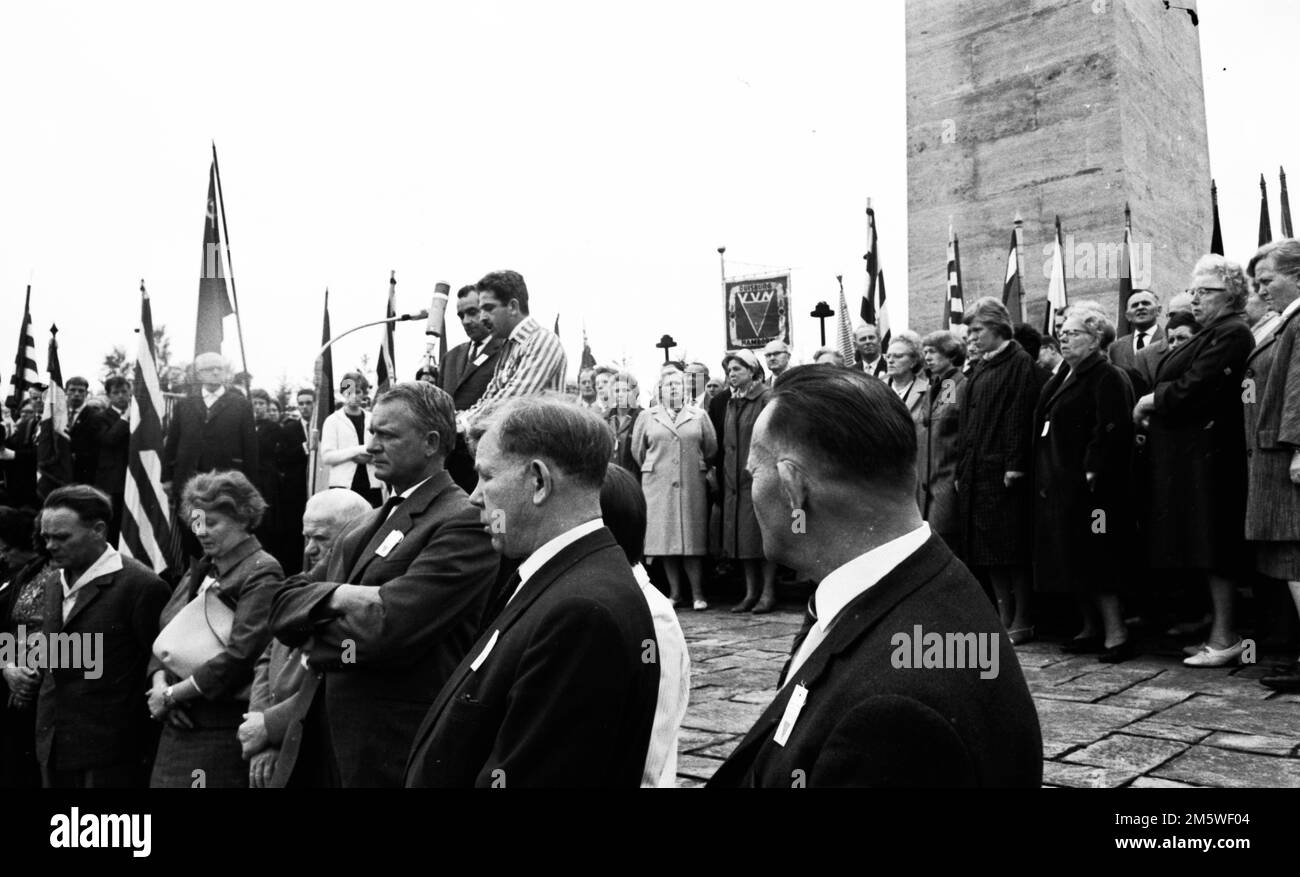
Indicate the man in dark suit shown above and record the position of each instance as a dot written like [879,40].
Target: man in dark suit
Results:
[211,430]
[114,443]
[19,457]
[92,721]
[560,688]
[83,431]
[395,607]
[866,344]
[1142,313]
[867,700]
[466,371]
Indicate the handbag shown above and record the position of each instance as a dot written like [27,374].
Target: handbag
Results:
[198,633]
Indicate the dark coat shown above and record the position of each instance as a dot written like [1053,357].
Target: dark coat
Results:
[114,444]
[1089,428]
[556,692]
[202,440]
[1121,349]
[467,381]
[20,472]
[623,454]
[937,454]
[1196,452]
[381,670]
[83,438]
[741,538]
[86,723]
[997,413]
[1271,393]
[278,683]
[867,722]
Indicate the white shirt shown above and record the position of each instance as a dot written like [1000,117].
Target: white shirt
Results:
[210,399]
[108,562]
[405,494]
[846,583]
[674,686]
[1291,308]
[539,557]
[1142,333]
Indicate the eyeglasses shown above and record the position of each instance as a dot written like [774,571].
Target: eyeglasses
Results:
[1071,333]
[1200,291]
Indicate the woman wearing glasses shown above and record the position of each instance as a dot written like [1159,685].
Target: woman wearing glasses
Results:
[1197,452]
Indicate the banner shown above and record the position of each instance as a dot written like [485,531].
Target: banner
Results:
[758,311]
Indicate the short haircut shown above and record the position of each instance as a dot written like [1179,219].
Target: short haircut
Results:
[992,313]
[912,342]
[847,421]
[553,428]
[1150,292]
[466,290]
[947,345]
[1183,318]
[1050,342]
[77,381]
[17,528]
[1286,257]
[699,365]
[357,379]
[1095,323]
[228,492]
[115,382]
[430,406]
[588,370]
[426,369]
[260,394]
[338,506]
[89,504]
[306,391]
[504,287]
[605,370]
[623,509]
[1230,274]
[822,351]
[1029,338]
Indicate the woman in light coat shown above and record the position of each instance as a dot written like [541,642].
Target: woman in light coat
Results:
[343,442]
[904,367]
[672,443]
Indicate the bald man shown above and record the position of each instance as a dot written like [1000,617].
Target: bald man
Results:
[212,429]
[776,355]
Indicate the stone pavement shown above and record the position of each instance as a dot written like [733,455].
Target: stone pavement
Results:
[1146,723]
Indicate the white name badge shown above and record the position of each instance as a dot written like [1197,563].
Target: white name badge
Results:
[487,650]
[390,542]
[792,710]
[480,359]
[1047,424]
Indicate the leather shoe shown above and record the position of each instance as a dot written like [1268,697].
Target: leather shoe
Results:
[1084,645]
[700,605]
[1212,657]
[1021,635]
[1118,654]
[1287,681]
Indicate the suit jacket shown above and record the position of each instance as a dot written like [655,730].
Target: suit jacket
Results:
[278,684]
[556,691]
[84,723]
[20,472]
[202,439]
[868,722]
[83,438]
[464,380]
[114,443]
[1121,349]
[381,669]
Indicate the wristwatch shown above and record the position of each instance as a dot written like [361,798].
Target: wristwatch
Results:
[168,699]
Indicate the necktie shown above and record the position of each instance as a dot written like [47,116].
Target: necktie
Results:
[385,511]
[499,601]
[1141,340]
[804,641]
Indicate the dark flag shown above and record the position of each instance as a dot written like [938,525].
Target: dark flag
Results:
[53,449]
[588,360]
[556,330]
[1012,289]
[25,362]
[386,367]
[214,298]
[324,404]
[954,309]
[1216,236]
[1265,227]
[1125,274]
[147,524]
[874,310]
[1286,206]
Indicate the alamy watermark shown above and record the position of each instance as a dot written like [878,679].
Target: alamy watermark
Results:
[1086,260]
[55,651]
[919,650]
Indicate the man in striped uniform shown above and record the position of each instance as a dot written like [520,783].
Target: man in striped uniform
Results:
[532,360]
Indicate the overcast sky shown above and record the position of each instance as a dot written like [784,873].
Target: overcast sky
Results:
[603,153]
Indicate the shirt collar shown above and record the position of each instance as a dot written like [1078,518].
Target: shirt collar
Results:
[413,488]
[242,550]
[209,398]
[538,558]
[1291,308]
[108,562]
[843,584]
[527,328]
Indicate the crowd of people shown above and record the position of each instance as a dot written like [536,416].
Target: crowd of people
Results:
[468,602]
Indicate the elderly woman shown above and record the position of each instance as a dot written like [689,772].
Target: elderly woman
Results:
[625,408]
[1271,396]
[937,448]
[1196,452]
[343,442]
[1083,470]
[203,711]
[25,574]
[828,356]
[741,539]
[673,443]
[993,493]
[903,366]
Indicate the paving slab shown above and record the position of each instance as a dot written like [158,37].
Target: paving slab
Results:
[697,767]
[1156,783]
[722,716]
[1080,776]
[1242,715]
[1283,746]
[1163,731]
[1225,768]
[1126,752]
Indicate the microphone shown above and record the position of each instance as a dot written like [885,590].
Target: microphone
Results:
[438,309]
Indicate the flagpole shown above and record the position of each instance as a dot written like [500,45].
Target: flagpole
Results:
[1018,233]
[230,263]
[722,267]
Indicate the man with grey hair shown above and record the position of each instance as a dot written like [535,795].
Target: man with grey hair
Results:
[1143,313]
[561,687]
[866,342]
[777,357]
[390,613]
[210,430]
[275,739]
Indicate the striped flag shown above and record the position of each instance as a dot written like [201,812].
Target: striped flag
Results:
[214,297]
[874,310]
[1216,234]
[386,369]
[1125,274]
[147,533]
[53,449]
[955,307]
[1012,287]
[1056,286]
[25,362]
[1265,227]
[844,331]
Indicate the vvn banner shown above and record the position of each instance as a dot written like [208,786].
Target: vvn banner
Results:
[758,311]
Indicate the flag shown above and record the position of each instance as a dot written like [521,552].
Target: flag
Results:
[147,520]
[1216,235]
[556,330]
[954,308]
[1012,288]
[1265,227]
[1056,286]
[1286,206]
[53,449]
[844,332]
[25,362]
[588,360]
[214,298]
[874,310]
[318,472]
[1125,274]
[385,368]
